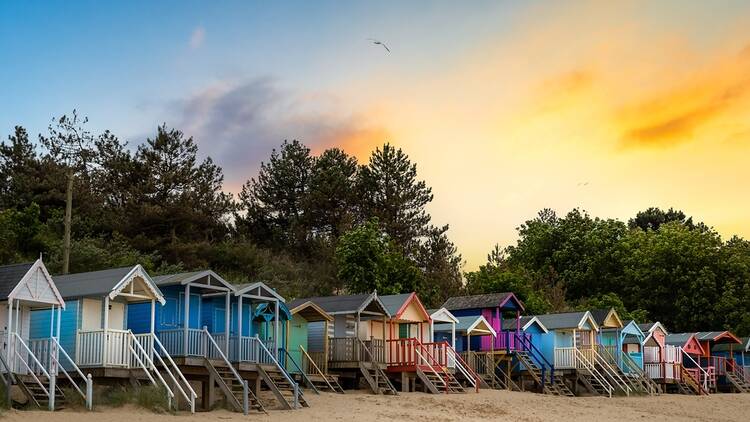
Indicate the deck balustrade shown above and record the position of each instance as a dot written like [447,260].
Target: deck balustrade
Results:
[352,349]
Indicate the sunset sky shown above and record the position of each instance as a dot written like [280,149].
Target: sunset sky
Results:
[506,107]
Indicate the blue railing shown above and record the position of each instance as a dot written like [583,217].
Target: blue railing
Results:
[538,356]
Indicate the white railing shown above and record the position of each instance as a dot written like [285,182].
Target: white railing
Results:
[462,367]
[214,348]
[611,372]
[102,348]
[272,358]
[88,383]
[173,371]
[584,363]
[174,342]
[21,353]
[565,357]
[653,370]
[704,375]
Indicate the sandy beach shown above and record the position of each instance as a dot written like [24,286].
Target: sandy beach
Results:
[485,405]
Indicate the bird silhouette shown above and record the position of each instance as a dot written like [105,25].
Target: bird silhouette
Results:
[376,42]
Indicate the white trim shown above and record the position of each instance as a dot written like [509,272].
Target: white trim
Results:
[617,316]
[38,264]
[477,321]
[258,285]
[199,275]
[366,303]
[445,314]
[535,320]
[587,315]
[134,272]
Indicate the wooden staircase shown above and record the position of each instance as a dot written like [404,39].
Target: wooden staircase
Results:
[282,389]
[439,382]
[637,375]
[593,383]
[318,378]
[559,388]
[377,379]
[535,371]
[232,388]
[687,384]
[36,394]
[737,382]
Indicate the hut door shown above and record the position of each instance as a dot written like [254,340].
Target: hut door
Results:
[403,331]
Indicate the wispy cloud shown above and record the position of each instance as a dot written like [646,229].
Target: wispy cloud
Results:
[197,37]
[239,123]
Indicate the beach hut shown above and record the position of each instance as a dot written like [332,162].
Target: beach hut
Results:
[94,329]
[572,346]
[661,362]
[631,347]
[443,316]
[727,376]
[412,357]
[33,353]
[690,377]
[308,359]
[356,338]
[493,307]
[463,331]
[738,354]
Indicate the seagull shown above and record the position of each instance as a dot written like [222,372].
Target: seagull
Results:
[374,41]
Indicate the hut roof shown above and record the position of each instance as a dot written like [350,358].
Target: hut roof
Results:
[471,325]
[104,282]
[567,320]
[347,304]
[10,276]
[490,300]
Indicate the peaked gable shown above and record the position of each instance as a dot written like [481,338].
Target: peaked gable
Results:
[443,315]
[36,285]
[406,307]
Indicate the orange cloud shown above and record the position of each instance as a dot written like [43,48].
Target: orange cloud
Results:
[674,116]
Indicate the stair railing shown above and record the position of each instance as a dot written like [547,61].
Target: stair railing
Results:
[703,371]
[312,364]
[304,376]
[537,355]
[235,374]
[7,376]
[158,351]
[612,373]
[733,366]
[89,394]
[467,372]
[149,366]
[594,372]
[289,379]
[418,352]
[17,355]
[635,369]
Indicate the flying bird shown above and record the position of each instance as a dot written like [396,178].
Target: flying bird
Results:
[376,42]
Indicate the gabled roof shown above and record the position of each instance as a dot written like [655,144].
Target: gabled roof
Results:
[601,316]
[442,315]
[23,282]
[568,320]
[682,340]
[260,289]
[347,304]
[311,312]
[717,337]
[724,347]
[104,282]
[490,300]
[525,321]
[397,304]
[470,325]
[192,277]
[632,329]
[10,276]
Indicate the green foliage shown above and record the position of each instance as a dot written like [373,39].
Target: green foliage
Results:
[19,234]
[611,300]
[147,397]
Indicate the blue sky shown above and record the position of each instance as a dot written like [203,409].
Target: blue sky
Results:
[506,106]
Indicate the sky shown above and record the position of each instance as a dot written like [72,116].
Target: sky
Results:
[506,107]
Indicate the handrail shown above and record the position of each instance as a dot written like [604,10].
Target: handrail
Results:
[602,380]
[283,371]
[158,354]
[445,383]
[151,366]
[539,356]
[315,366]
[88,396]
[36,361]
[612,373]
[463,367]
[245,400]
[437,362]
[10,378]
[302,373]
[705,374]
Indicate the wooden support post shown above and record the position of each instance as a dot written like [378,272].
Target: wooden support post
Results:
[10,355]
[239,328]
[211,390]
[153,326]
[105,356]
[186,321]
[276,334]
[227,322]
[325,347]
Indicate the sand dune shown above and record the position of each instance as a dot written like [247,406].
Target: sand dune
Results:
[486,405]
